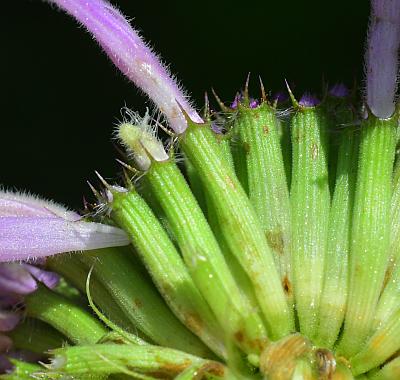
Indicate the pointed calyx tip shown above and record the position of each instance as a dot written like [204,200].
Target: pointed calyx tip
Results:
[139,138]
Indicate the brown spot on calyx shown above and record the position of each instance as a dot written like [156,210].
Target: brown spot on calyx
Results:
[138,303]
[287,285]
[314,151]
[214,368]
[119,340]
[173,368]
[246,147]
[278,360]
[239,336]
[275,240]
[230,182]
[265,129]
[194,322]
[259,345]
[165,370]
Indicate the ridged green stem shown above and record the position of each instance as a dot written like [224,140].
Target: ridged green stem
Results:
[310,203]
[35,336]
[240,226]
[204,258]
[76,272]
[389,299]
[137,297]
[335,283]
[370,230]
[379,348]
[113,358]
[238,273]
[268,189]
[389,371]
[76,324]
[195,185]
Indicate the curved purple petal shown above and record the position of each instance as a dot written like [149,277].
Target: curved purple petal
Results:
[50,279]
[133,57]
[14,278]
[339,90]
[17,204]
[382,57]
[308,100]
[8,320]
[23,238]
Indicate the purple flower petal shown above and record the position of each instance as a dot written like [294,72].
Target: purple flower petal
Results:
[14,278]
[281,97]
[216,128]
[382,57]
[22,238]
[9,300]
[133,57]
[339,90]
[50,279]
[253,103]
[8,320]
[17,204]
[308,100]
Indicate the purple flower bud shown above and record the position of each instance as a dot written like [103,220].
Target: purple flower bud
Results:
[30,227]
[253,103]
[308,100]
[216,128]
[281,97]
[50,279]
[382,57]
[14,278]
[236,101]
[339,90]
[133,57]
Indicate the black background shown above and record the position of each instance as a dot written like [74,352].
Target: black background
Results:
[61,95]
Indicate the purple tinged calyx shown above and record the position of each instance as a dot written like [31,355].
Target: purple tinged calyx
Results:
[239,98]
[308,100]
[33,228]
[133,57]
